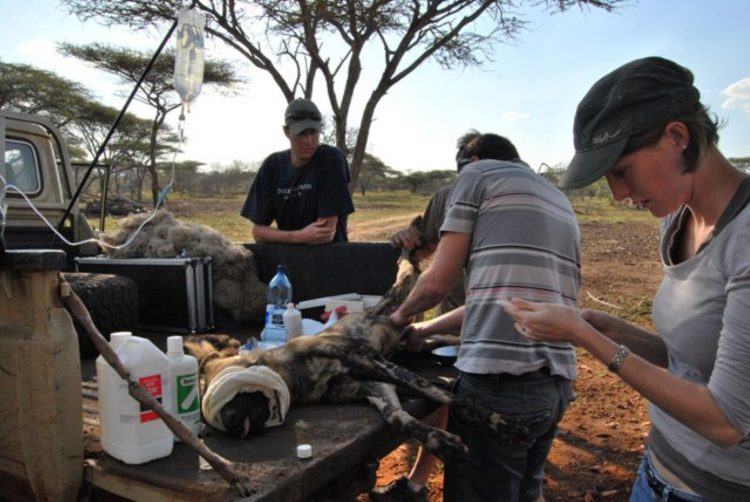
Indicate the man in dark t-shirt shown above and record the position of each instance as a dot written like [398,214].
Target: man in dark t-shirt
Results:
[424,240]
[303,189]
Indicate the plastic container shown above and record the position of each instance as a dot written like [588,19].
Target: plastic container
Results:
[279,295]
[189,56]
[130,432]
[292,322]
[184,382]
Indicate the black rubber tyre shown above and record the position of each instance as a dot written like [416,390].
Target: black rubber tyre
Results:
[112,301]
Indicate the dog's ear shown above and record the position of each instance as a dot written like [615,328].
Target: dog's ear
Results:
[202,346]
[406,278]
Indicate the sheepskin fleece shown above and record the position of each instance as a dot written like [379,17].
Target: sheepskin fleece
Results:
[236,287]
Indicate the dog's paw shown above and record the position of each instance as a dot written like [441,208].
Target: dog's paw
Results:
[508,428]
[446,446]
[223,343]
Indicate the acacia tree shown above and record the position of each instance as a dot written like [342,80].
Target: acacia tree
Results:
[157,90]
[26,89]
[129,148]
[91,128]
[741,163]
[408,33]
[374,173]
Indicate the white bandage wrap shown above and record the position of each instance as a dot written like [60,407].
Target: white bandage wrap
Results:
[235,379]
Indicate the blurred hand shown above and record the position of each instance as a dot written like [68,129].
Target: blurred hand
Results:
[399,319]
[413,338]
[408,239]
[317,232]
[545,322]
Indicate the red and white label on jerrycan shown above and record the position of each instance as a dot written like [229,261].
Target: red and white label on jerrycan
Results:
[153,385]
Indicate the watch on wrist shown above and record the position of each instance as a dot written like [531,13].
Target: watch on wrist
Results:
[622,353]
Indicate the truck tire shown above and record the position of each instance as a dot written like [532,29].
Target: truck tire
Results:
[112,301]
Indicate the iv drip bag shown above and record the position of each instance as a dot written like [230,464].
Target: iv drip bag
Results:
[188,64]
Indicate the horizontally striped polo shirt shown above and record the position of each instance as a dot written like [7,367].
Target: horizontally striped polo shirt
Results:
[525,243]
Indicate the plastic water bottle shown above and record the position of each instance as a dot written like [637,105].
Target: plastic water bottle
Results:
[131,432]
[292,322]
[189,57]
[279,295]
[280,289]
[183,375]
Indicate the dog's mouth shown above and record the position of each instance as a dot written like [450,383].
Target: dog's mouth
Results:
[245,414]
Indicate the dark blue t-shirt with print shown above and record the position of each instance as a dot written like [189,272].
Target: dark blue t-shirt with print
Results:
[296,196]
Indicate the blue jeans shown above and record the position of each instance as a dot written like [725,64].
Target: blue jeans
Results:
[650,487]
[496,469]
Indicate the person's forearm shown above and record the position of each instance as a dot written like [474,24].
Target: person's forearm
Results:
[427,293]
[425,251]
[688,402]
[448,323]
[265,233]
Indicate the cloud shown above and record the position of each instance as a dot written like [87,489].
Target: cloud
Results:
[738,95]
[512,116]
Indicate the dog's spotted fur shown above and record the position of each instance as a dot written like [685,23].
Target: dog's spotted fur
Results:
[346,362]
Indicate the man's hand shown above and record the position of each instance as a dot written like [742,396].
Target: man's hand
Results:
[399,319]
[317,232]
[413,337]
[407,238]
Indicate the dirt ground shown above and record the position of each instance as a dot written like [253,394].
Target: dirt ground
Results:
[602,435]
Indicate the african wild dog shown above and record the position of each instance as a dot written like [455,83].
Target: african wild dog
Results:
[346,362]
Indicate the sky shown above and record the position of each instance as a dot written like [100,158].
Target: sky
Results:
[528,92]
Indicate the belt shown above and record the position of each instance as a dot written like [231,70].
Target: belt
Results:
[659,487]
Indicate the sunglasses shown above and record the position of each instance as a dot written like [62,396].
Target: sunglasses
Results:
[299,116]
[462,161]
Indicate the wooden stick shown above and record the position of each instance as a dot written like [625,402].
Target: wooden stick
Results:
[79,311]
[602,301]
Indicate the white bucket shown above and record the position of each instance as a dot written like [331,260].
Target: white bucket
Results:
[129,432]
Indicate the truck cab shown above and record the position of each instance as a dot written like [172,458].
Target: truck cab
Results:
[37,163]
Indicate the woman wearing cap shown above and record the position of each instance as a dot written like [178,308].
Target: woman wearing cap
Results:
[643,128]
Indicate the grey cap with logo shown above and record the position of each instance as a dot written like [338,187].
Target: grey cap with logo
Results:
[302,114]
[630,100]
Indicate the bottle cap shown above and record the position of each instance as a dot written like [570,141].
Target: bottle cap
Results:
[304,451]
[290,306]
[174,345]
[118,337]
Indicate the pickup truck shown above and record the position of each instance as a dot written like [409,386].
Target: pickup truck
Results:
[49,436]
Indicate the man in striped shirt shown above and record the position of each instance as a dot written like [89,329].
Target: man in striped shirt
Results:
[517,235]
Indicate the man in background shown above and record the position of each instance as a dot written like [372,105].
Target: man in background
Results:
[303,189]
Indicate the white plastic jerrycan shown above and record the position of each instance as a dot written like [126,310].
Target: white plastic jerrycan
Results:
[129,431]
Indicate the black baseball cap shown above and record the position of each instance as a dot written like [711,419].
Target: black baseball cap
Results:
[302,114]
[628,101]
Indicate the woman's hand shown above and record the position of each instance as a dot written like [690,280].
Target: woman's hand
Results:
[546,322]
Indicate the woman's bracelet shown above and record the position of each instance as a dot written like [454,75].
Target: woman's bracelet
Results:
[622,353]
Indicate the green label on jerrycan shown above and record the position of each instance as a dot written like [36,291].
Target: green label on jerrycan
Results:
[187,393]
